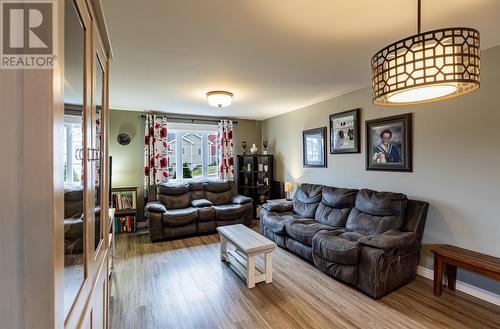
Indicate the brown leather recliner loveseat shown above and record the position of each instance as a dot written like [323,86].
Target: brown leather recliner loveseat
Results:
[368,239]
[185,208]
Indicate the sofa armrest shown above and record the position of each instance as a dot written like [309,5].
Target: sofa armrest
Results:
[282,206]
[156,206]
[390,240]
[240,199]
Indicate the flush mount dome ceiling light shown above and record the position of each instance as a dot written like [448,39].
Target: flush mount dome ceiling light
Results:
[427,67]
[219,98]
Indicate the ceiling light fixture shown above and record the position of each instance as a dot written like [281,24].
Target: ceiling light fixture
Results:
[219,98]
[428,66]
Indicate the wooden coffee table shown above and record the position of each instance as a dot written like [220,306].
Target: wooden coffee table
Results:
[248,244]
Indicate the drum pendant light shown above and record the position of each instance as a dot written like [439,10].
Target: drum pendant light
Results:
[426,67]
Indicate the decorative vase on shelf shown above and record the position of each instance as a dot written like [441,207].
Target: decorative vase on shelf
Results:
[264,143]
[254,149]
[244,144]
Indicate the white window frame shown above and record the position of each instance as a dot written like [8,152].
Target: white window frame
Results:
[69,122]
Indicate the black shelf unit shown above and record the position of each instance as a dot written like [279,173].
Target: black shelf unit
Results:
[255,182]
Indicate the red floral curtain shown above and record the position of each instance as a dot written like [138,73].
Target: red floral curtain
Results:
[155,150]
[225,150]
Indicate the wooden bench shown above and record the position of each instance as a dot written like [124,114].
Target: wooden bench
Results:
[453,257]
[248,244]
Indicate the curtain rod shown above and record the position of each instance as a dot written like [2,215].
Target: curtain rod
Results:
[188,119]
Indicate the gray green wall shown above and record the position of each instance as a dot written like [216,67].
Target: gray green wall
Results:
[128,165]
[456,161]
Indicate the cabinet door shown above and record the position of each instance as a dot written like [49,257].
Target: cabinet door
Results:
[98,150]
[89,308]
[75,141]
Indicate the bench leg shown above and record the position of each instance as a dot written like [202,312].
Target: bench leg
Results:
[250,272]
[438,274]
[269,267]
[451,272]
[223,248]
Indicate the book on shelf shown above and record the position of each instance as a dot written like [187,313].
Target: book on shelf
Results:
[123,201]
[125,224]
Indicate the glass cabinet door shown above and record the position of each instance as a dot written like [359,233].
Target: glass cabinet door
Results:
[98,161]
[74,146]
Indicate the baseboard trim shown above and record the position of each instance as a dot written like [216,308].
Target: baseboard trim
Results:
[463,287]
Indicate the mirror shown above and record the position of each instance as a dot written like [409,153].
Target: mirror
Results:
[98,97]
[74,136]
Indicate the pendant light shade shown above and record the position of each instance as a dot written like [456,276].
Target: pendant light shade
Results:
[219,98]
[427,67]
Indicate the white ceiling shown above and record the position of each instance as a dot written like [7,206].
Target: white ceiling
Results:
[275,55]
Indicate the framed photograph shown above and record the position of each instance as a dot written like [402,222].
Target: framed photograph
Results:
[389,143]
[344,132]
[314,147]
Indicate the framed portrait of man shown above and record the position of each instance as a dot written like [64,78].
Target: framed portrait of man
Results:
[389,143]
[314,147]
[344,132]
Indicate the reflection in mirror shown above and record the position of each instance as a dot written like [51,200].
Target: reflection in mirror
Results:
[98,96]
[73,155]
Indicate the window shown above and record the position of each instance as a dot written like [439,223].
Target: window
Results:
[171,154]
[193,151]
[73,146]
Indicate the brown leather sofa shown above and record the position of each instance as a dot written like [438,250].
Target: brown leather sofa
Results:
[73,220]
[368,239]
[182,208]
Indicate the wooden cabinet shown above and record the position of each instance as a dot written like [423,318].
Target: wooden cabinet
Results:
[38,230]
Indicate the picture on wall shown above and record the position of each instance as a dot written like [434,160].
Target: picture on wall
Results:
[389,143]
[314,147]
[344,132]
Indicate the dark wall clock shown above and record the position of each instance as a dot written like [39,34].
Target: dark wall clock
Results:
[124,139]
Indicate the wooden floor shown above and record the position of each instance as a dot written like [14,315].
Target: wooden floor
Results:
[183,284]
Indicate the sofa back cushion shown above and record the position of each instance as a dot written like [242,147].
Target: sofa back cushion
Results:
[335,205]
[377,212]
[197,190]
[306,200]
[174,195]
[219,192]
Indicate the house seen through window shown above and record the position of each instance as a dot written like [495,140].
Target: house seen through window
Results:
[192,151]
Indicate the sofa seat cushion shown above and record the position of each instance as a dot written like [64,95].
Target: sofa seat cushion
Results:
[275,221]
[342,248]
[177,217]
[231,211]
[304,230]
